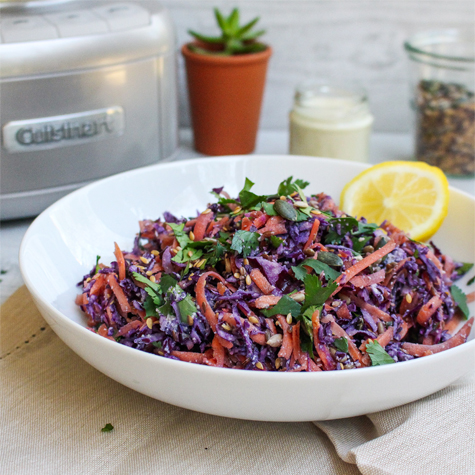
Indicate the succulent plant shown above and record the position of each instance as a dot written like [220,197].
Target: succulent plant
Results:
[234,39]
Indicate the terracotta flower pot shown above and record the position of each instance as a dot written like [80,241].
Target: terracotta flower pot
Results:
[225,99]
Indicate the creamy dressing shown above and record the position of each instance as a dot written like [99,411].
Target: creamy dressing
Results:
[330,123]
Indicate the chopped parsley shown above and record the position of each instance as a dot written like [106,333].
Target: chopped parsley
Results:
[341,344]
[378,354]
[107,428]
[460,299]
[244,242]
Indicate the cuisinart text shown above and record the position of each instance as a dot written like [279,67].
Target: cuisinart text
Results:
[60,131]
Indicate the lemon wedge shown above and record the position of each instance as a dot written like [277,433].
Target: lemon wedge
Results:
[413,196]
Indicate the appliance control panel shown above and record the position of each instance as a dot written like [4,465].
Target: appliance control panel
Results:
[73,23]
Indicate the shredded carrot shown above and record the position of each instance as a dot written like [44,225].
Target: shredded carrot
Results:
[286,348]
[266,301]
[201,224]
[416,349]
[349,273]
[327,361]
[374,311]
[313,234]
[119,294]
[218,352]
[129,326]
[471,297]
[254,333]
[361,281]
[274,226]
[296,342]
[102,331]
[81,299]
[120,261]
[428,309]
[98,285]
[259,279]
[188,356]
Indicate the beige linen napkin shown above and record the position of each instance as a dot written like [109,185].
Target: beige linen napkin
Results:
[53,406]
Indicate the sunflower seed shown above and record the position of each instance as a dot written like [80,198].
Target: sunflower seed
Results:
[275,340]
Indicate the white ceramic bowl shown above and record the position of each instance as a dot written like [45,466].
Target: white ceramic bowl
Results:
[62,244]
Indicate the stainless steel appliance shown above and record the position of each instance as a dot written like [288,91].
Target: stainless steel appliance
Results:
[87,89]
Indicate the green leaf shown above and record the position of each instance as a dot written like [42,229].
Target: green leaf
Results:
[460,299]
[150,306]
[247,27]
[378,354]
[167,282]
[315,293]
[318,266]
[167,310]
[153,285]
[471,281]
[268,209]
[284,306]
[244,242]
[187,307]
[97,264]
[466,266]
[182,237]
[341,344]
[344,225]
[365,228]
[107,428]
[287,187]
[276,241]
[252,35]
[206,39]
[182,256]
[250,199]
[233,21]
[220,20]
[247,198]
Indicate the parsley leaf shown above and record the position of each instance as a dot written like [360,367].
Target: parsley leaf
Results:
[284,306]
[315,293]
[276,241]
[184,255]
[460,299]
[107,428]
[187,307]
[465,267]
[245,242]
[287,187]
[167,282]
[97,264]
[341,344]
[182,238]
[339,227]
[150,306]
[247,198]
[268,209]
[378,354]
[318,266]
[153,285]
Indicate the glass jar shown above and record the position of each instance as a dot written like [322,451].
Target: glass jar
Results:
[443,83]
[330,120]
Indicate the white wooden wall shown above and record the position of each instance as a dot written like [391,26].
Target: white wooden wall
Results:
[359,39]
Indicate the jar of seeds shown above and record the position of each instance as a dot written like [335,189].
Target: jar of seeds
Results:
[443,84]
